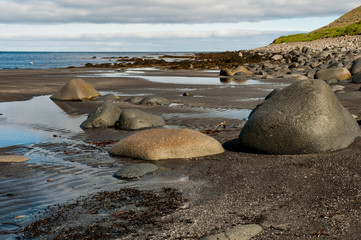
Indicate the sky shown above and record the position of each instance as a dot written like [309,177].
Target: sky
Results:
[158,25]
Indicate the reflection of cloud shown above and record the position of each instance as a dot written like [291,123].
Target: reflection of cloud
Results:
[155,11]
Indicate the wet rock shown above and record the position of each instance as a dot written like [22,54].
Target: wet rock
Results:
[356,67]
[134,100]
[104,115]
[240,232]
[187,94]
[305,117]
[333,73]
[13,158]
[155,101]
[136,170]
[157,144]
[134,119]
[108,97]
[75,90]
[356,78]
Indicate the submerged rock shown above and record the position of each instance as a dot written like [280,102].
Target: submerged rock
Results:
[305,117]
[104,115]
[157,144]
[136,170]
[134,119]
[75,90]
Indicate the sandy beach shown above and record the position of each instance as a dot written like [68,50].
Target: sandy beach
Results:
[289,196]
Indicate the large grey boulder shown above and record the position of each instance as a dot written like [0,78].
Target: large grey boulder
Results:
[104,115]
[75,90]
[356,67]
[305,117]
[134,119]
[340,74]
[157,144]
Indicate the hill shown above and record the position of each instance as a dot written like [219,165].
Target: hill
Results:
[348,24]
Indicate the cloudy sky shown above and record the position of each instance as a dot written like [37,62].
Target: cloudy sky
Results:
[158,25]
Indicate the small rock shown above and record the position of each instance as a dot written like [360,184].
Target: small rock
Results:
[134,119]
[135,100]
[136,170]
[187,94]
[240,232]
[155,101]
[108,97]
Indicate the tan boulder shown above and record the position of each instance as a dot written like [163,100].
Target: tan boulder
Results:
[13,158]
[157,144]
[339,74]
[76,89]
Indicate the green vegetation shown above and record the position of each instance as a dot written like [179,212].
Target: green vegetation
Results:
[352,29]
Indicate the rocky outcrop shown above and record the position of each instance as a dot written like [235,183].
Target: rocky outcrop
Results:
[305,117]
[157,144]
[134,119]
[104,115]
[75,90]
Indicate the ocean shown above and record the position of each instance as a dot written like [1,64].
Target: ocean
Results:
[50,60]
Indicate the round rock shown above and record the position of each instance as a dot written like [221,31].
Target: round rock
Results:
[155,101]
[75,90]
[13,158]
[356,67]
[305,117]
[136,170]
[134,119]
[356,78]
[104,115]
[158,144]
[340,74]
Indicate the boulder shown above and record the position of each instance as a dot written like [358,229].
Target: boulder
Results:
[356,66]
[104,115]
[75,90]
[356,78]
[135,99]
[134,119]
[108,97]
[136,170]
[333,73]
[231,72]
[155,101]
[305,117]
[157,144]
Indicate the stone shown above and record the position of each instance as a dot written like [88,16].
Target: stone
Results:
[136,170]
[336,88]
[240,232]
[134,119]
[305,117]
[231,72]
[13,158]
[104,115]
[158,144]
[340,74]
[135,99]
[155,101]
[356,78]
[277,57]
[356,66]
[108,97]
[75,90]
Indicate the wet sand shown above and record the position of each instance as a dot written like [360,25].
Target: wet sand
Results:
[290,196]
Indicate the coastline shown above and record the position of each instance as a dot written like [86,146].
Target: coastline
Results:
[290,196]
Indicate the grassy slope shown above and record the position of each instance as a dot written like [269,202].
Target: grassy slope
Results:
[348,24]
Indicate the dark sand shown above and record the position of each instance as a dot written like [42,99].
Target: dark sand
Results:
[290,196]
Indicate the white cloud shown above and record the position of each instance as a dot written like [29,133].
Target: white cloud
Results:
[165,11]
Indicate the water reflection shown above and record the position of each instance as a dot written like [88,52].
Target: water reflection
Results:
[238,81]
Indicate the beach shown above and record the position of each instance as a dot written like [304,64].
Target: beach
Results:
[302,196]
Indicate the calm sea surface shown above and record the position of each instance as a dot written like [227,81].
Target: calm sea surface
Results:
[46,60]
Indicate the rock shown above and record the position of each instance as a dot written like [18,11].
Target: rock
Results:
[104,115]
[187,94]
[297,76]
[356,78]
[157,144]
[108,97]
[155,101]
[134,119]
[336,88]
[75,90]
[240,232]
[277,57]
[136,170]
[305,117]
[13,158]
[231,72]
[135,100]
[333,73]
[356,67]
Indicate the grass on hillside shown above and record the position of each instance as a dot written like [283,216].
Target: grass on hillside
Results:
[352,29]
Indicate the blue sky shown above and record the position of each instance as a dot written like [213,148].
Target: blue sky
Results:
[158,25]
